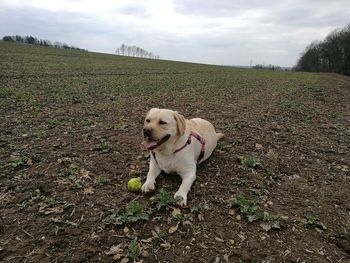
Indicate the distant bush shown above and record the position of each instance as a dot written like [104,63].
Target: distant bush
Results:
[38,42]
[330,55]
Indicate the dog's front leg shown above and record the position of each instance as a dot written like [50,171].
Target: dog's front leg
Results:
[188,178]
[153,173]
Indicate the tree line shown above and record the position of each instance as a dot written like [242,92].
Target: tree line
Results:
[38,42]
[330,55]
[134,51]
[270,67]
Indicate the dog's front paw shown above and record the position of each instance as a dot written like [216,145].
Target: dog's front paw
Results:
[182,198]
[148,186]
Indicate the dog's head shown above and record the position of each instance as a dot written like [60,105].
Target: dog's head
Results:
[160,126]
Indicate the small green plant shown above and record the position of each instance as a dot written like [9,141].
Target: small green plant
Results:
[20,159]
[101,180]
[231,126]
[133,250]
[18,189]
[103,147]
[220,145]
[113,218]
[89,122]
[343,131]
[4,93]
[164,199]
[269,173]
[159,233]
[291,129]
[272,220]
[250,162]
[181,218]
[120,127]
[238,182]
[238,141]
[133,213]
[18,162]
[312,219]
[36,111]
[200,208]
[246,207]
[53,123]
[49,201]
[286,103]
[69,174]
[79,185]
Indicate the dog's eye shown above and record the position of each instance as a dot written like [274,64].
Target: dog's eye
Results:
[148,120]
[162,122]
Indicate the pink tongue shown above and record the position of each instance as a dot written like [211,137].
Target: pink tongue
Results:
[149,144]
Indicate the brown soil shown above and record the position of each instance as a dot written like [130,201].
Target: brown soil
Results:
[53,204]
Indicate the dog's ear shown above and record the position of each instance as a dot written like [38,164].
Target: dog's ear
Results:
[181,123]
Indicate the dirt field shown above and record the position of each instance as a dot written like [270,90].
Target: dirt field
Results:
[276,190]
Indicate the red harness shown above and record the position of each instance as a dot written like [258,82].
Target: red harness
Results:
[188,142]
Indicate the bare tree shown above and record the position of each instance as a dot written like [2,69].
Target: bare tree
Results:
[135,51]
[122,49]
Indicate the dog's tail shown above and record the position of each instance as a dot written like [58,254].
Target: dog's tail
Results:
[219,136]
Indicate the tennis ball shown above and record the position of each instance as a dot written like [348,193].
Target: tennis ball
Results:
[134,184]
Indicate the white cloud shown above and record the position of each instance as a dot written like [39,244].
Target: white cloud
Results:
[210,31]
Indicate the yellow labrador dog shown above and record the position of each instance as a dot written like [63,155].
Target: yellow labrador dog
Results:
[176,145]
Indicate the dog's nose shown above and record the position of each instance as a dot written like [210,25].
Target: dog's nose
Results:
[147,132]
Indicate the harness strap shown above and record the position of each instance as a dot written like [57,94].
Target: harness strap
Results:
[154,156]
[188,142]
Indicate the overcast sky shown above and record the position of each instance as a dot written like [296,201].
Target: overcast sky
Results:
[225,32]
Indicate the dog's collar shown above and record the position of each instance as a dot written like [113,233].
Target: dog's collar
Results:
[188,142]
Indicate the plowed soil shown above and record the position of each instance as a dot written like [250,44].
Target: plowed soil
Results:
[70,139]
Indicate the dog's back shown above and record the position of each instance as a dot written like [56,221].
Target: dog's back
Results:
[205,129]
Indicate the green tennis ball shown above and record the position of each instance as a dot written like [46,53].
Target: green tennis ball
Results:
[134,184]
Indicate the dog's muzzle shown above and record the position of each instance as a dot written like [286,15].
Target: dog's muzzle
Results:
[147,133]
[151,144]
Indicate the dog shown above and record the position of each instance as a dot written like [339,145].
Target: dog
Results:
[176,145]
